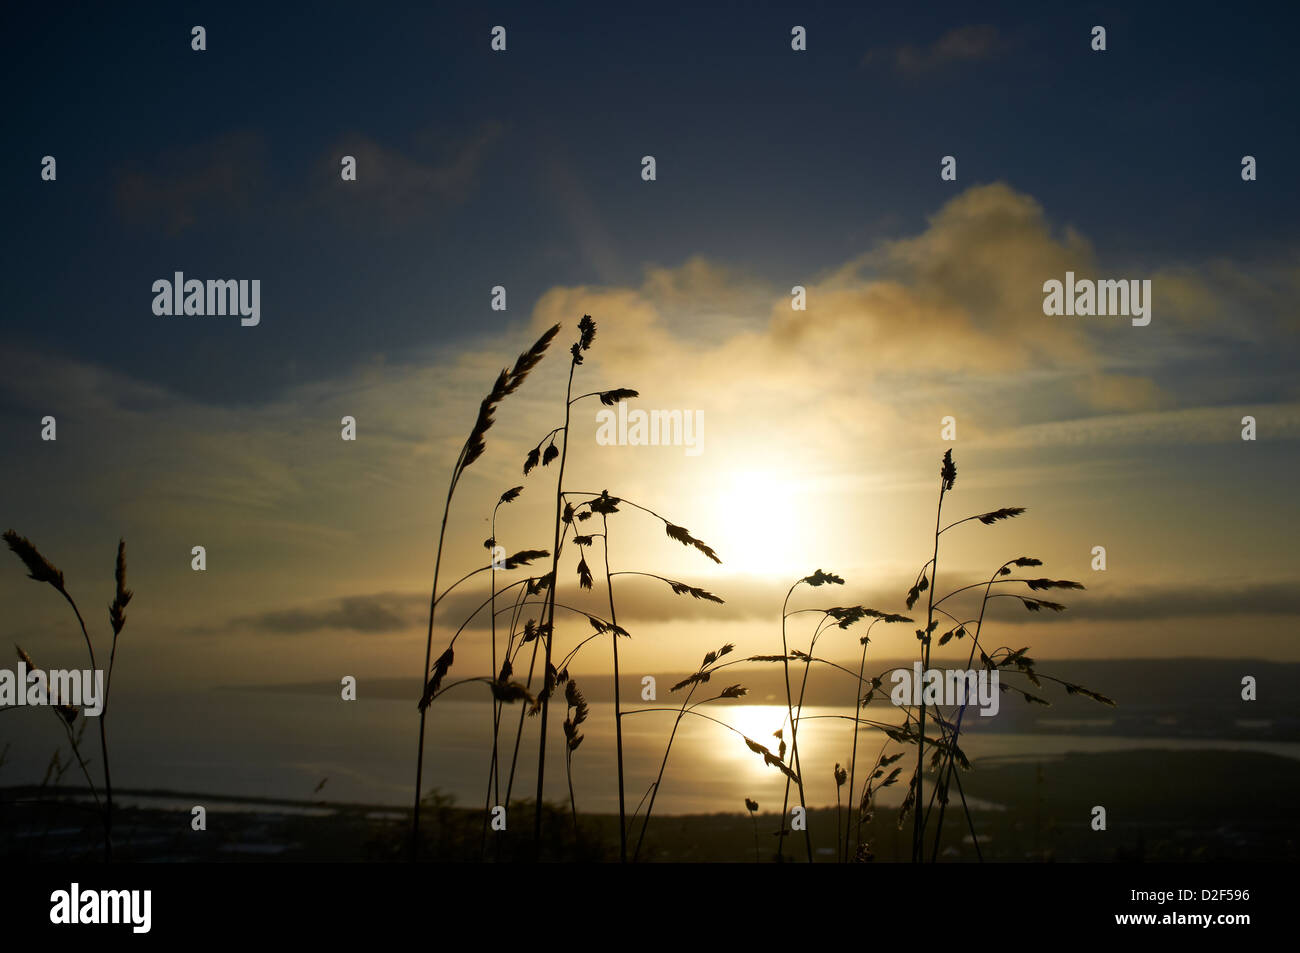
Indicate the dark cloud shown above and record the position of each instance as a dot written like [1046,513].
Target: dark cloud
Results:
[226,177]
[380,613]
[1179,602]
[183,185]
[964,44]
[649,601]
[399,187]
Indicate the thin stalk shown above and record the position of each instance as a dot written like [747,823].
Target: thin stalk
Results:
[103,739]
[573,804]
[970,821]
[918,830]
[428,657]
[654,791]
[794,732]
[550,615]
[76,751]
[519,732]
[798,716]
[618,709]
[837,813]
[853,759]
[866,792]
[962,711]
[494,767]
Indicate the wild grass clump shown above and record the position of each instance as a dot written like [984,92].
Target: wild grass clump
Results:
[582,520]
[946,755]
[942,751]
[536,634]
[507,382]
[42,570]
[572,509]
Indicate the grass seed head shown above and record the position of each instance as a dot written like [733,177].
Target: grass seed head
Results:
[38,567]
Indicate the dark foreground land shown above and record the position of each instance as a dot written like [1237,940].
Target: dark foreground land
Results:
[1198,806]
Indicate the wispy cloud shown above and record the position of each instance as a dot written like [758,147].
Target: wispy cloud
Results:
[221,176]
[388,613]
[1191,601]
[227,177]
[964,44]
[1191,425]
[941,322]
[381,613]
[398,186]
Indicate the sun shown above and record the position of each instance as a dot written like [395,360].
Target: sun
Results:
[758,519]
[758,722]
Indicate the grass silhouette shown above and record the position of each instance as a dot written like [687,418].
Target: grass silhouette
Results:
[507,382]
[42,570]
[934,733]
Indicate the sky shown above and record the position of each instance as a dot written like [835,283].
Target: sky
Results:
[522,169]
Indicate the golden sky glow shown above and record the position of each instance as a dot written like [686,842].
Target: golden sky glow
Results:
[821,445]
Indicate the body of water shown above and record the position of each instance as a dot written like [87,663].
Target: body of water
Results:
[269,744]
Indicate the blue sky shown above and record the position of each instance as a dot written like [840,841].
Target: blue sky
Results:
[522,169]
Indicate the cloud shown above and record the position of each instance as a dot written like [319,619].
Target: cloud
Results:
[965,294]
[1192,425]
[1121,392]
[1226,301]
[266,487]
[381,613]
[220,176]
[390,613]
[399,187]
[1189,602]
[227,177]
[596,244]
[966,44]
[946,321]
[748,599]
[949,321]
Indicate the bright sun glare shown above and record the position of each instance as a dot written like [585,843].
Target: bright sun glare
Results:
[758,524]
[758,722]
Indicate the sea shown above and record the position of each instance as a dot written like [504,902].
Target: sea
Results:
[301,746]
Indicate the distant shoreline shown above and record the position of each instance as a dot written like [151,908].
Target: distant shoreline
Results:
[1181,698]
[1164,806]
